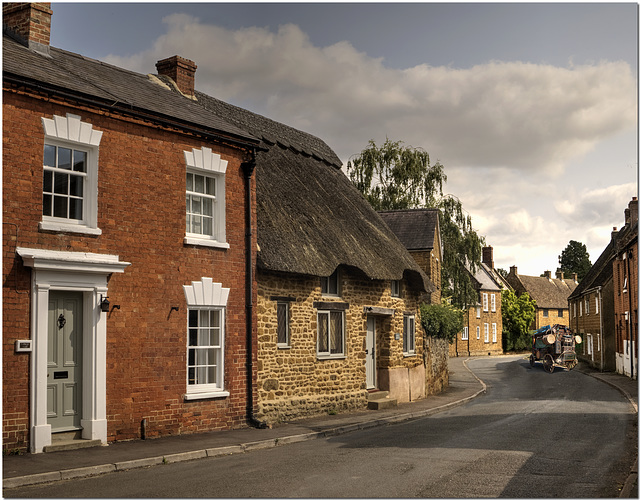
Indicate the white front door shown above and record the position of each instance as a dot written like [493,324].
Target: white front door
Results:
[64,361]
[370,353]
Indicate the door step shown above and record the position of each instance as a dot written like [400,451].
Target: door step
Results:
[380,400]
[63,441]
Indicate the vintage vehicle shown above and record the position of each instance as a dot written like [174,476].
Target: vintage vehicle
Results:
[554,346]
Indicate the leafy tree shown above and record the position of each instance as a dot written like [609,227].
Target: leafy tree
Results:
[502,272]
[396,177]
[575,259]
[441,320]
[517,315]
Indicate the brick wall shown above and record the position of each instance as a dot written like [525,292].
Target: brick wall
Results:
[625,268]
[141,212]
[294,383]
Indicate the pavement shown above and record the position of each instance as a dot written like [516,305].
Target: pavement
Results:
[464,385]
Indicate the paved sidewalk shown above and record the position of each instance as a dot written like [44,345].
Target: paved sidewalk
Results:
[22,470]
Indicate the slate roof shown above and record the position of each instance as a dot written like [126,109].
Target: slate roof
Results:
[415,228]
[311,219]
[484,279]
[107,85]
[548,293]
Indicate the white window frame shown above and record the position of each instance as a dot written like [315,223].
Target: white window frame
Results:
[71,132]
[597,305]
[395,288]
[207,295]
[209,164]
[477,333]
[465,333]
[409,335]
[485,302]
[586,306]
[287,312]
[328,354]
[494,332]
[580,308]
[486,333]
[478,311]
[330,285]
[493,302]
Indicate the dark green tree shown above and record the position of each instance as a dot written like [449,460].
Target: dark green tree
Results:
[441,320]
[395,177]
[575,259]
[518,314]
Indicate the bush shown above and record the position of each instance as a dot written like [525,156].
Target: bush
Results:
[441,320]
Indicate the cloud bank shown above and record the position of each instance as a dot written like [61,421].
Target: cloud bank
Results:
[505,131]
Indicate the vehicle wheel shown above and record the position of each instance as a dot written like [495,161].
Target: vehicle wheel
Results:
[547,363]
[532,360]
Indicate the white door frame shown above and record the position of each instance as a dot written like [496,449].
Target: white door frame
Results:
[370,354]
[80,272]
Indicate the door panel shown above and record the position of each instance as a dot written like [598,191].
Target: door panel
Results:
[370,353]
[64,361]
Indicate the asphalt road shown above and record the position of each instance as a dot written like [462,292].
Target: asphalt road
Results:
[532,435]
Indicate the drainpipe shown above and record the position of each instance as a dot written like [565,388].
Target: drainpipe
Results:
[248,167]
[599,298]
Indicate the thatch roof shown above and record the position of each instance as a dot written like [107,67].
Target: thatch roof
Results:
[311,219]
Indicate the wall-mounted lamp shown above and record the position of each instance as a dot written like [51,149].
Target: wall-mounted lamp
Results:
[104,304]
[174,308]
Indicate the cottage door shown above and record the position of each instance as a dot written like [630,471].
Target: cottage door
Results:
[64,361]
[370,353]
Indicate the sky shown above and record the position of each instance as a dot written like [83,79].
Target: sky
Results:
[531,108]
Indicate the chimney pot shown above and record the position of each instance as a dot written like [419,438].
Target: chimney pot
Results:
[182,71]
[29,23]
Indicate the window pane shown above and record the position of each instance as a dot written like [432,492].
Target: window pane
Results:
[213,379]
[49,156]
[199,184]
[204,318]
[75,208]
[404,334]
[48,181]
[196,224]
[64,158]
[46,204]
[193,318]
[215,318]
[192,376]
[60,206]
[211,186]
[207,206]
[193,336]
[79,161]
[323,331]
[207,226]
[196,205]
[61,183]
[192,357]
[189,182]
[282,323]
[76,184]
[336,333]
[214,335]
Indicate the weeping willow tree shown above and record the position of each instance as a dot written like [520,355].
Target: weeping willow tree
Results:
[396,177]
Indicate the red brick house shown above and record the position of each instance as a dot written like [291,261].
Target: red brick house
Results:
[625,292]
[124,314]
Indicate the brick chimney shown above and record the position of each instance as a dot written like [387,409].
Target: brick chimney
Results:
[28,23]
[559,275]
[547,274]
[487,256]
[575,277]
[182,71]
[633,211]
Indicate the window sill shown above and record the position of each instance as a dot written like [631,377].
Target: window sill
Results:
[201,242]
[206,395]
[328,358]
[283,346]
[409,354]
[61,227]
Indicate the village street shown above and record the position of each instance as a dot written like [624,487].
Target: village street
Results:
[533,434]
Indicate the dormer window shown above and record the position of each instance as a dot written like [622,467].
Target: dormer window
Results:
[331,285]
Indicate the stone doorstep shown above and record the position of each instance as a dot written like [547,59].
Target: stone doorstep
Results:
[379,400]
[62,441]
